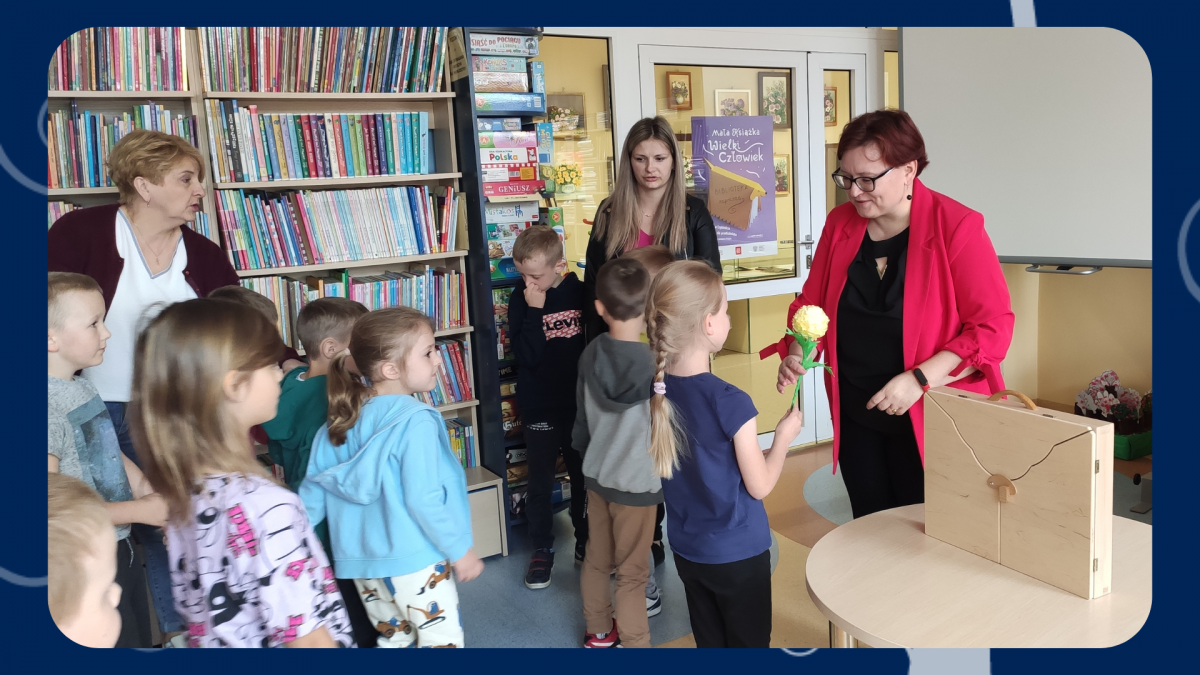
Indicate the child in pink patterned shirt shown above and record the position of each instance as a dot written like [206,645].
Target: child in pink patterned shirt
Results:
[246,568]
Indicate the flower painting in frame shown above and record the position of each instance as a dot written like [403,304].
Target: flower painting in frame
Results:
[783,175]
[732,102]
[830,106]
[679,91]
[774,98]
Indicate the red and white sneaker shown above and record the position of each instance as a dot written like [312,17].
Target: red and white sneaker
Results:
[602,640]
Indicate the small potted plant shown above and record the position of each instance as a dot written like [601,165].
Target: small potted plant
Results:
[1105,399]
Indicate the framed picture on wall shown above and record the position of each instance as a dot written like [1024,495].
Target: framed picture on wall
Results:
[566,113]
[732,102]
[831,106]
[783,175]
[775,98]
[679,91]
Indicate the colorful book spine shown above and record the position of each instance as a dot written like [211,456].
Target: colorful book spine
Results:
[510,103]
[87,60]
[308,59]
[247,145]
[309,227]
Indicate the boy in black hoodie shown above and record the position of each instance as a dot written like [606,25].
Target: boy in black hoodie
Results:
[545,316]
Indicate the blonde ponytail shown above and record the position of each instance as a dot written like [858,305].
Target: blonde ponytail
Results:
[680,297]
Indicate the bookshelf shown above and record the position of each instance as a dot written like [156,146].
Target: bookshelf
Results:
[491,371]
[484,486]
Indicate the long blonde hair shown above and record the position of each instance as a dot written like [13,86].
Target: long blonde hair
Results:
[680,298]
[378,337]
[619,228]
[177,414]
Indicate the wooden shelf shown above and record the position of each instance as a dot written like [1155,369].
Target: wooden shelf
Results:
[306,96]
[462,330]
[120,95]
[461,405]
[351,264]
[356,181]
[74,192]
[479,477]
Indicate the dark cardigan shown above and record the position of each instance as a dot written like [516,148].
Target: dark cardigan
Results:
[85,241]
[701,245]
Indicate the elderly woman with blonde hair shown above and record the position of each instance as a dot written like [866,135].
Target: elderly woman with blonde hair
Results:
[143,257]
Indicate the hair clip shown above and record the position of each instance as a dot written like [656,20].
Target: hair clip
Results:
[660,388]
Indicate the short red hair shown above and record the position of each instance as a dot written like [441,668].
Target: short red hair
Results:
[892,131]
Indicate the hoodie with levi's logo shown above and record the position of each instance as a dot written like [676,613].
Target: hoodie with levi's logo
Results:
[546,343]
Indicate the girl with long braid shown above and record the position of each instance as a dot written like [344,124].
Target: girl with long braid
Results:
[704,444]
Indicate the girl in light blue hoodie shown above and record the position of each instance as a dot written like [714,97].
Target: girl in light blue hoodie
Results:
[395,496]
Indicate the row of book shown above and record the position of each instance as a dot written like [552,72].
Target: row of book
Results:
[248,145]
[462,442]
[439,293]
[453,370]
[60,209]
[289,296]
[121,59]
[323,59]
[267,230]
[78,143]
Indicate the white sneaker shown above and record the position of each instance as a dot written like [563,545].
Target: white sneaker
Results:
[653,605]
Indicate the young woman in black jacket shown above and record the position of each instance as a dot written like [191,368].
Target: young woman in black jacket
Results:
[649,205]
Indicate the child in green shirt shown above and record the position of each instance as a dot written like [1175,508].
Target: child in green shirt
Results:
[323,327]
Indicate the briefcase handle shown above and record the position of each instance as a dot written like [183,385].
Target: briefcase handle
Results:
[1010,392]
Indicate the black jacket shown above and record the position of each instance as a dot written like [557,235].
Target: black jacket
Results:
[547,342]
[701,245]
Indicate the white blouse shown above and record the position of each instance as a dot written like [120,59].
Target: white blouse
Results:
[139,298]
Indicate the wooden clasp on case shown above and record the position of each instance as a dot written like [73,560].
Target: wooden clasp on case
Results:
[1005,490]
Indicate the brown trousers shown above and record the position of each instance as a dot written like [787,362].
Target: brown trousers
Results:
[619,538]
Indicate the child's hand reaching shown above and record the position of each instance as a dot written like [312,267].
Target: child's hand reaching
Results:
[791,423]
[468,567]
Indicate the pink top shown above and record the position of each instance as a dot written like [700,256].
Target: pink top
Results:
[955,296]
[644,239]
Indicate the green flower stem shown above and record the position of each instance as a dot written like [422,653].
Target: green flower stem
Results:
[806,361]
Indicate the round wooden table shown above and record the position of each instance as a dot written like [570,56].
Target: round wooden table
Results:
[879,579]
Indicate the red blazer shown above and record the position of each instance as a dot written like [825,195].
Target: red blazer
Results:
[955,296]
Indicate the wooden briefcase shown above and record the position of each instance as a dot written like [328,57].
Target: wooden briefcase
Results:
[1025,487]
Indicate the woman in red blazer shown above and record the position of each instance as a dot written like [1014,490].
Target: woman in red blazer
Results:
[916,299]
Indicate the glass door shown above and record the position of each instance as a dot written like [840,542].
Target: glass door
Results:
[837,92]
[741,118]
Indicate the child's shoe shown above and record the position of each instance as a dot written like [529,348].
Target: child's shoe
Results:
[653,605]
[540,566]
[602,640]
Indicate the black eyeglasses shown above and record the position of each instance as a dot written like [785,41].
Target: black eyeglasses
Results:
[864,183]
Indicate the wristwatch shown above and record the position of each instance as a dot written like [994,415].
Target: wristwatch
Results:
[921,379]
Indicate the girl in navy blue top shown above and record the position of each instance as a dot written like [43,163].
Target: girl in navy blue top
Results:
[704,442]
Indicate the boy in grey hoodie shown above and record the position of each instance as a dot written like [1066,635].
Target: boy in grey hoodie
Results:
[612,433]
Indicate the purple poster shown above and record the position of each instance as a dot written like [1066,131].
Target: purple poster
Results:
[733,171]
